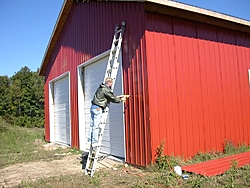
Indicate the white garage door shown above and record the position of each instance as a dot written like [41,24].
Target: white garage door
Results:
[61,111]
[113,137]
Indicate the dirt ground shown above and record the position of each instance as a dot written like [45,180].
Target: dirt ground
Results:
[13,175]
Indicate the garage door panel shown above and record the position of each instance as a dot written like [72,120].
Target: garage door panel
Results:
[93,77]
[61,111]
[115,145]
[60,123]
[117,89]
[97,72]
[116,135]
[112,147]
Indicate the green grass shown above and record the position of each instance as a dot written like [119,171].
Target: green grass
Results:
[19,144]
[232,178]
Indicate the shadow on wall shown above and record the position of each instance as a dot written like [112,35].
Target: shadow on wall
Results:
[160,23]
[84,36]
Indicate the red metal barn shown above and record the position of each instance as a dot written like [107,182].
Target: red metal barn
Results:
[186,69]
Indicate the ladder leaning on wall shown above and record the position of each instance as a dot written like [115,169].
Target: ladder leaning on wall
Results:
[111,71]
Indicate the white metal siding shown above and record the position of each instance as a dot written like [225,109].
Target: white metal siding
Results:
[61,111]
[113,138]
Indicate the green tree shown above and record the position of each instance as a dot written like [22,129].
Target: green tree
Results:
[5,97]
[27,98]
[37,99]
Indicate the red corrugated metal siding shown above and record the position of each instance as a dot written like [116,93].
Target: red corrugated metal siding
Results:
[198,85]
[88,31]
[46,113]
[218,166]
[189,85]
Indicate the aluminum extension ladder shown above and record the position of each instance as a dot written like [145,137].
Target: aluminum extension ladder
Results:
[111,71]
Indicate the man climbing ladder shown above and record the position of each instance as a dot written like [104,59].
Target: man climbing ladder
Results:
[100,103]
[103,96]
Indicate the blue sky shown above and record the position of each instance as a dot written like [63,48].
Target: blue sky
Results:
[26,27]
[25,30]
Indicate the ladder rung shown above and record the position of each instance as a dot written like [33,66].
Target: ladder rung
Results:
[109,72]
[101,126]
[93,157]
[87,169]
[118,31]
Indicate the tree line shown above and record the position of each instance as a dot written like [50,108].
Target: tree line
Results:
[22,98]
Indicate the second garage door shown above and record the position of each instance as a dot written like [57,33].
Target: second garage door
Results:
[61,111]
[113,138]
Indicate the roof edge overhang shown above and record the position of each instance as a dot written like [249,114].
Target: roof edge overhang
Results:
[55,34]
[193,13]
[167,7]
[199,10]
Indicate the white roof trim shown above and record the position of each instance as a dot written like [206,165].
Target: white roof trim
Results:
[198,10]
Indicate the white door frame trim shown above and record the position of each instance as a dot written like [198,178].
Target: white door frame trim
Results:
[81,98]
[51,105]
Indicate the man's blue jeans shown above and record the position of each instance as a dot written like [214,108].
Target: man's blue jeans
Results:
[95,121]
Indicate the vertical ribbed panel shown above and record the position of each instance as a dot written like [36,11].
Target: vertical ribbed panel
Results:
[188,81]
[198,85]
[88,31]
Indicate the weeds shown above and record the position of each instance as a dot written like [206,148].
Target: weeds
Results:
[229,147]
[15,144]
[233,178]
[20,146]
[163,162]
